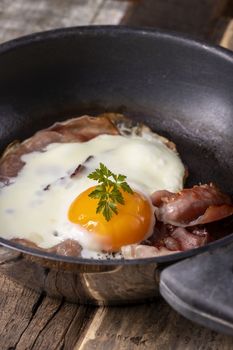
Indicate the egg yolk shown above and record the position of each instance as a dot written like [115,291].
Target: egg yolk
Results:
[131,225]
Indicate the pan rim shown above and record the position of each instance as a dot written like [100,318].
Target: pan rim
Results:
[107,30]
[113,30]
[210,247]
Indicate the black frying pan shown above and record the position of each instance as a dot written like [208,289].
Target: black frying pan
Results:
[181,88]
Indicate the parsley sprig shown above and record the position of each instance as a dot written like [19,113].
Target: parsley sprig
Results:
[108,191]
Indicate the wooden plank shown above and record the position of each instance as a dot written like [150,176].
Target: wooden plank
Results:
[31,320]
[52,334]
[78,327]
[227,38]
[151,326]
[22,17]
[16,304]
[111,12]
[194,17]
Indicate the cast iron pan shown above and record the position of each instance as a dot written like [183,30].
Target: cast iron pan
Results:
[181,88]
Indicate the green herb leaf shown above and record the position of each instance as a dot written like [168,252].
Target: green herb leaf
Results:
[108,191]
[97,193]
[125,187]
[121,178]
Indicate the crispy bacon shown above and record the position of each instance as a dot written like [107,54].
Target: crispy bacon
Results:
[198,205]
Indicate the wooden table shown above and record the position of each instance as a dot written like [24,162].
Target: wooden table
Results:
[32,321]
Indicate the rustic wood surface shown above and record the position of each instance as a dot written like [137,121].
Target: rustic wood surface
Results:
[34,321]
[21,17]
[196,17]
[227,38]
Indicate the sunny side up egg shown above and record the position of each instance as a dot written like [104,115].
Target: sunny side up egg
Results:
[46,204]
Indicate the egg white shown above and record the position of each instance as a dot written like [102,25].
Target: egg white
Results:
[35,205]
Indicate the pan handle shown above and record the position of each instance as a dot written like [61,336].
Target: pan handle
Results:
[201,288]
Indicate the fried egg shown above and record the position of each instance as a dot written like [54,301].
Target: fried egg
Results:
[48,201]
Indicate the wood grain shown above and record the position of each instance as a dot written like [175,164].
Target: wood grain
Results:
[152,326]
[111,12]
[227,38]
[193,17]
[22,17]
[34,321]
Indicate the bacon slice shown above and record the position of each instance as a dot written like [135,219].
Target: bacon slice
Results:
[172,243]
[69,247]
[178,238]
[185,240]
[139,251]
[198,205]
[73,130]
[83,128]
